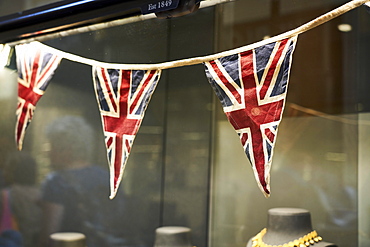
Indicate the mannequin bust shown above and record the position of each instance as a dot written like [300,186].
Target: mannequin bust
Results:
[288,224]
[172,236]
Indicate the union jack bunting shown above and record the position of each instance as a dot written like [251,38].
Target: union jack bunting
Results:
[122,96]
[252,87]
[4,55]
[36,67]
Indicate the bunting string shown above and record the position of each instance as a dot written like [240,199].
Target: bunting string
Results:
[99,26]
[250,81]
[198,60]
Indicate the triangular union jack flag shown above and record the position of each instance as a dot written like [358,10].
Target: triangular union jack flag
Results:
[123,96]
[252,87]
[36,66]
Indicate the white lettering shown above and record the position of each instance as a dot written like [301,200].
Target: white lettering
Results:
[151,6]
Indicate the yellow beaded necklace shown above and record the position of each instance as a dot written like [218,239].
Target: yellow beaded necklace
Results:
[304,241]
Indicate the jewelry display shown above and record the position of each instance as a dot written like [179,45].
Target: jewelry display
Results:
[305,241]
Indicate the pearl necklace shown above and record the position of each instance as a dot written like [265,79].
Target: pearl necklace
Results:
[304,241]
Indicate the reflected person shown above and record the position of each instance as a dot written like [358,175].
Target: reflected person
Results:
[75,194]
[23,194]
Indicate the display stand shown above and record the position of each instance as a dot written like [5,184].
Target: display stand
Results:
[288,224]
[172,236]
[68,239]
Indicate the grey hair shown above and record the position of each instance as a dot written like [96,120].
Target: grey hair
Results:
[72,134]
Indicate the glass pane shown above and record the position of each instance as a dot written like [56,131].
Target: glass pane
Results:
[11,7]
[187,167]
[168,168]
[315,164]
[363,183]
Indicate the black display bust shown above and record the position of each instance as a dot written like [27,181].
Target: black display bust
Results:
[172,236]
[288,224]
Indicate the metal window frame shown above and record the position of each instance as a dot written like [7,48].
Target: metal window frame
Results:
[65,15]
[68,17]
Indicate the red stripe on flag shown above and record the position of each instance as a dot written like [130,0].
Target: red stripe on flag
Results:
[270,135]
[244,138]
[108,86]
[226,82]
[272,68]
[128,145]
[142,88]
[34,71]
[48,67]
[117,159]
[109,142]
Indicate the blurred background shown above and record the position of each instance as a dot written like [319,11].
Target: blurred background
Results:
[187,167]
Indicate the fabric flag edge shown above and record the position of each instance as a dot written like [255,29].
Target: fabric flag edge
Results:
[116,180]
[225,79]
[33,79]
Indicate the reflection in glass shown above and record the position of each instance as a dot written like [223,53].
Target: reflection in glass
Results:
[185,137]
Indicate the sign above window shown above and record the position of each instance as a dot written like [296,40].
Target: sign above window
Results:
[159,6]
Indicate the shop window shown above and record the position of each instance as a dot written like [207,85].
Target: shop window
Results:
[187,167]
